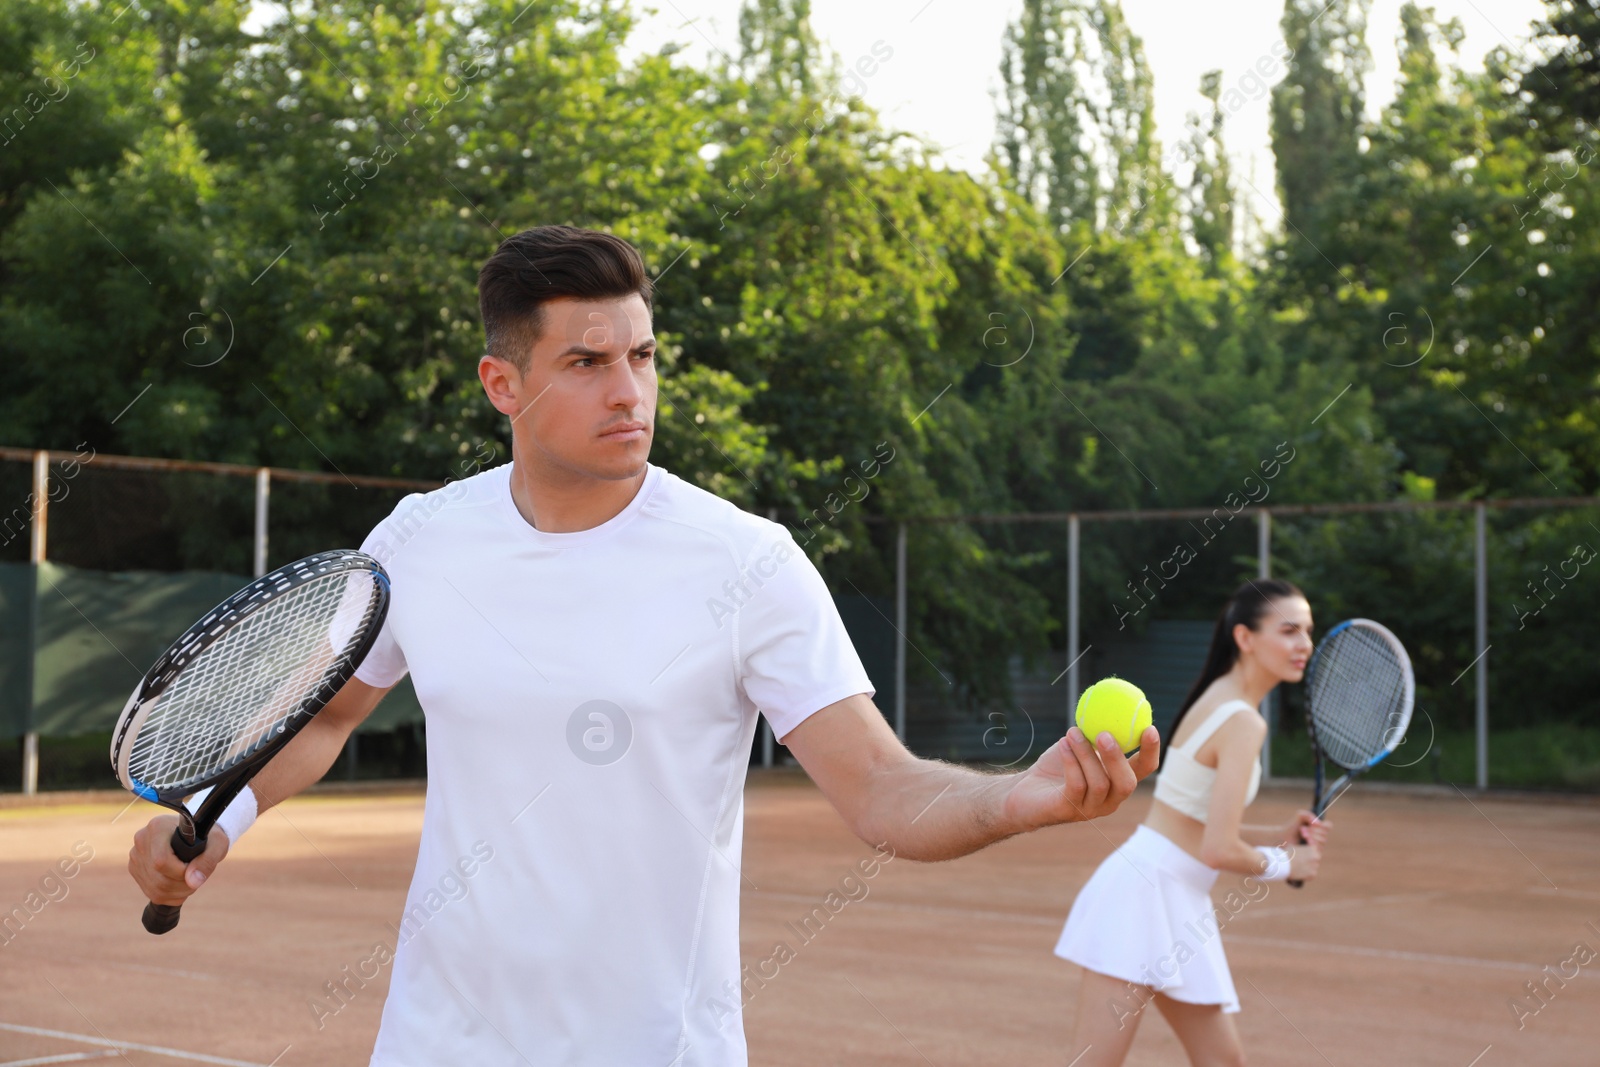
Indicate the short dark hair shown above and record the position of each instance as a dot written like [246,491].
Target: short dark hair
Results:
[546,263]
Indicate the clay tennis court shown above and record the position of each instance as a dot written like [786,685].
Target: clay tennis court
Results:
[1432,913]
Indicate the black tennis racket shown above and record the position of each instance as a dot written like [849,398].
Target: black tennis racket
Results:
[1359,694]
[239,684]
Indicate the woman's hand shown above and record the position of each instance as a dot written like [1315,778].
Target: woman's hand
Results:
[1306,828]
[1303,862]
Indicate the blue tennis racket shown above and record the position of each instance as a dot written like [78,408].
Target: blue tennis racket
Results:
[1360,690]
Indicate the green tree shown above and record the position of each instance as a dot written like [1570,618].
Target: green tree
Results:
[1317,109]
[1076,128]
[1209,197]
[1046,124]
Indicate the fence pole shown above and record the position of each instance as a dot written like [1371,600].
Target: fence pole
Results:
[1481,583]
[1269,706]
[900,634]
[263,493]
[36,556]
[1073,636]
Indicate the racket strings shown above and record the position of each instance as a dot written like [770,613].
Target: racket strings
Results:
[1359,697]
[245,687]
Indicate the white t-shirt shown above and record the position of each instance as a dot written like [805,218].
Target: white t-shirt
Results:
[591,698]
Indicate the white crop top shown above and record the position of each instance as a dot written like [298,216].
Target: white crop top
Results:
[1185,783]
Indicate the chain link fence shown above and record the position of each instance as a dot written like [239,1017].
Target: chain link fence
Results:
[105,559]
[978,631]
[1494,599]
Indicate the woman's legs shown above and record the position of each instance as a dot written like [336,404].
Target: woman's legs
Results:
[1208,1035]
[1108,1016]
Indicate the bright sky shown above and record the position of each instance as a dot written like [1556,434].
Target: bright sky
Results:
[941,79]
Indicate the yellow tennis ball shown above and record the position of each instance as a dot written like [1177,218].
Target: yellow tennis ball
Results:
[1116,707]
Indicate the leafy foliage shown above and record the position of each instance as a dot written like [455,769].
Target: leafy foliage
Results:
[261,245]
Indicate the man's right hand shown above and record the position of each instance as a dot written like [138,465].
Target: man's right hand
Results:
[162,876]
[165,879]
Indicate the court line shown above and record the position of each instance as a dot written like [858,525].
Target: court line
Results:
[84,1017]
[1338,905]
[1388,954]
[128,1046]
[200,976]
[65,1057]
[1304,946]
[1541,890]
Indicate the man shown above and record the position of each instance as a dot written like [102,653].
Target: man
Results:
[591,639]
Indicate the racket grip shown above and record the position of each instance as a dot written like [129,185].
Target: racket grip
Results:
[1297,883]
[161,918]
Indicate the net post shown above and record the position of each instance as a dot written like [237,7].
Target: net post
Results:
[900,634]
[39,525]
[263,494]
[1263,571]
[1074,637]
[1481,597]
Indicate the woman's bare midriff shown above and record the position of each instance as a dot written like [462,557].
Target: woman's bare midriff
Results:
[1168,821]
[1176,827]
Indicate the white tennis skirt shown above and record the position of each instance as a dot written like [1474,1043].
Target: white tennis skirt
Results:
[1146,917]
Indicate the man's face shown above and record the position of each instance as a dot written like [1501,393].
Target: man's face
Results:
[587,403]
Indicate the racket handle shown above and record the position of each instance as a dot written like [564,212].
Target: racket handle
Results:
[1297,883]
[160,918]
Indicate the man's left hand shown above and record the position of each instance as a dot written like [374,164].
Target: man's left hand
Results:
[1075,781]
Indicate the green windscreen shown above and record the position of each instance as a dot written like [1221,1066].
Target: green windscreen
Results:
[97,633]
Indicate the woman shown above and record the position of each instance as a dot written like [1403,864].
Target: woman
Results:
[1144,927]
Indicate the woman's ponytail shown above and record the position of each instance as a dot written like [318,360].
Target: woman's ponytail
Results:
[1247,604]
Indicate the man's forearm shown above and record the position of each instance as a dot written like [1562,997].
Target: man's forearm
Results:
[927,810]
[302,763]
[309,754]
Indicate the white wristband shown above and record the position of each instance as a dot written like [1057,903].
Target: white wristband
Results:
[236,818]
[1277,863]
